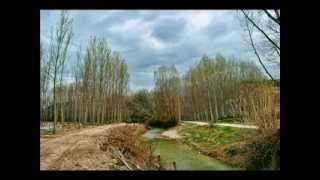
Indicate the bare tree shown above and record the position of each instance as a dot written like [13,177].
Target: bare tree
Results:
[266,24]
[260,29]
[255,50]
[212,84]
[100,87]
[58,50]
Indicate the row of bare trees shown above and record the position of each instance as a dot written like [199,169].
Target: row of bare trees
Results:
[212,84]
[214,89]
[98,91]
[53,66]
[100,86]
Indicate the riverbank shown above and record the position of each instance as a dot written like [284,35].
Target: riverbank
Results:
[105,147]
[233,146]
[238,146]
[187,146]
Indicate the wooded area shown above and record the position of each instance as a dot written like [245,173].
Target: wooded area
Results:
[97,94]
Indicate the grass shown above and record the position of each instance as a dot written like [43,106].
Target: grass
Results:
[214,138]
[214,135]
[240,148]
[186,158]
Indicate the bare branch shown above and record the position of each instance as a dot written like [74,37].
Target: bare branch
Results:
[271,17]
[277,14]
[255,51]
[256,26]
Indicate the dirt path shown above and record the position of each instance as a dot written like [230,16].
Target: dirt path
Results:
[197,123]
[236,125]
[223,124]
[76,151]
[172,133]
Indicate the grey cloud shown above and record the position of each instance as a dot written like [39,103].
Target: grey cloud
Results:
[169,29]
[180,45]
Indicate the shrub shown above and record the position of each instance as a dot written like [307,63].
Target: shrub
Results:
[260,152]
[140,107]
[260,104]
[163,124]
[264,152]
[126,140]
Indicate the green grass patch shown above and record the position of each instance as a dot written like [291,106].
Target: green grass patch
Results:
[215,135]
[241,148]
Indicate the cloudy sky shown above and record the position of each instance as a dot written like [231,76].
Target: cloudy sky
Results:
[148,39]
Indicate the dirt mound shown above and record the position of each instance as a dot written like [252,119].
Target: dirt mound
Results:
[78,151]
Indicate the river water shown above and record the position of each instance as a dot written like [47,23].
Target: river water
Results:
[185,157]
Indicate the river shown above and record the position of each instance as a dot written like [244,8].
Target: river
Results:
[185,157]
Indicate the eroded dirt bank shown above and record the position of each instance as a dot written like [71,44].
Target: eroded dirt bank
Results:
[77,150]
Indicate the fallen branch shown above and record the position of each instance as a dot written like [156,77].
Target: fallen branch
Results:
[136,165]
[121,157]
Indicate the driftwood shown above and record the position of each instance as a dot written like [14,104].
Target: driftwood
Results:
[125,161]
[136,166]
[121,157]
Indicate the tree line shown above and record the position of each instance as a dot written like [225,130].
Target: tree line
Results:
[212,85]
[214,89]
[100,81]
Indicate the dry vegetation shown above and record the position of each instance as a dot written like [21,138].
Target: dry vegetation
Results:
[260,104]
[108,147]
[126,145]
[260,152]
